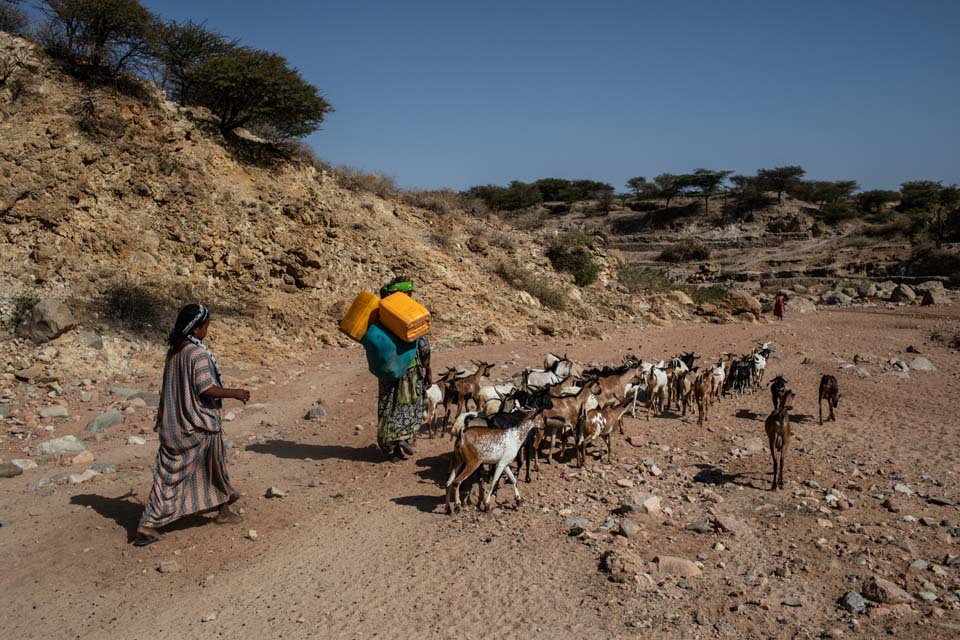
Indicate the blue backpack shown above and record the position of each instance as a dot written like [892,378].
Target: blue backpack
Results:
[388,357]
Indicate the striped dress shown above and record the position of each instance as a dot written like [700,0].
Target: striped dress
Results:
[191,470]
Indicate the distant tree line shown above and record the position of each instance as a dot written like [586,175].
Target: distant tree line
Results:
[241,86]
[520,195]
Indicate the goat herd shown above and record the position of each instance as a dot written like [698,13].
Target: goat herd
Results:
[511,423]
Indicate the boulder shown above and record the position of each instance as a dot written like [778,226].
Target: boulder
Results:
[799,288]
[65,444]
[742,302]
[929,285]
[922,364]
[867,289]
[903,293]
[478,244]
[681,297]
[836,298]
[9,470]
[105,421]
[885,592]
[934,297]
[801,304]
[623,566]
[47,320]
[673,566]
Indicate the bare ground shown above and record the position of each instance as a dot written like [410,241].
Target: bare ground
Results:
[367,552]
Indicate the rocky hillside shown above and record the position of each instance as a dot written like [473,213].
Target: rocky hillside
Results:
[126,206]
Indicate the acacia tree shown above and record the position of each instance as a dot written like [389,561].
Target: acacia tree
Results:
[102,35]
[641,187]
[669,186]
[872,201]
[920,195]
[179,47]
[707,183]
[258,90]
[780,179]
[13,19]
[822,192]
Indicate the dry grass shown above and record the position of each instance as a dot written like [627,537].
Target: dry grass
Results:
[359,180]
[520,278]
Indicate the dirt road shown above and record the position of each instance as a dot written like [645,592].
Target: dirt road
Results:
[359,548]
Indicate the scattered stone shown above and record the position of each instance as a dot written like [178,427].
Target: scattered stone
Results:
[24,464]
[150,398]
[929,522]
[728,524]
[919,565]
[64,444]
[9,470]
[636,441]
[136,440]
[742,302]
[718,546]
[168,566]
[898,363]
[625,482]
[209,617]
[105,421]
[902,488]
[573,523]
[934,297]
[623,566]
[84,457]
[55,411]
[701,526]
[316,412]
[853,602]
[313,484]
[230,416]
[47,320]
[862,373]
[274,492]
[885,592]
[940,500]
[903,293]
[5,523]
[80,478]
[892,505]
[836,298]
[643,502]
[90,339]
[39,483]
[105,467]
[252,534]
[655,471]
[793,602]
[920,363]
[867,289]
[701,619]
[86,396]
[673,566]
[123,392]
[927,596]
[629,528]
[29,374]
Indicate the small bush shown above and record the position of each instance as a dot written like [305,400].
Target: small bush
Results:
[836,212]
[13,19]
[359,180]
[443,239]
[529,221]
[639,279]
[928,260]
[711,295]
[519,278]
[502,240]
[440,201]
[137,308]
[687,250]
[22,305]
[571,253]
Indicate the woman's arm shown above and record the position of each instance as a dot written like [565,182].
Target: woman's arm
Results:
[223,392]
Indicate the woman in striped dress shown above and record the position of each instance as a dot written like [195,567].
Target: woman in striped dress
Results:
[191,471]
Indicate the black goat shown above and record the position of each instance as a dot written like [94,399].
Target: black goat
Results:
[829,391]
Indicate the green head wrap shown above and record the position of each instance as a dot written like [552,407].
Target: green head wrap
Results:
[400,283]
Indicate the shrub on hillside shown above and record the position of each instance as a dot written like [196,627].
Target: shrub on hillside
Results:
[98,36]
[928,260]
[13,19]
[639,279]
[571,253]
[257,90]
[701,295]
[687,250]
[440,201]
[359,180]
[523,280]
[136,307]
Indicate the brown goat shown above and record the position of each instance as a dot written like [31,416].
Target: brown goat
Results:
[597,424]
[829,391]
[468,387]
[561,418]
[702,393]
[778,436]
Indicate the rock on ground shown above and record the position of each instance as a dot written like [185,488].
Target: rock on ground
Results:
[47,320]
[673,566]
[623,566]
[65,444]
[885,592]
[105,421]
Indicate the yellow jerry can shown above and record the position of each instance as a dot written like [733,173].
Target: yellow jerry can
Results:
[404,317]
[363,312]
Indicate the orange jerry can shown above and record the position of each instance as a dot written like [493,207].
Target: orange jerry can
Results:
[363,312]
[404,317]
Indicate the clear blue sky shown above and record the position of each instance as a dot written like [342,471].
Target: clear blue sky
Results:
[455,94]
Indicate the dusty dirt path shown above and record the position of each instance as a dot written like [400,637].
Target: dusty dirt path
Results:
[367,552]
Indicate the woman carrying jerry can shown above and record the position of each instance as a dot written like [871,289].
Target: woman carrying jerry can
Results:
[400,403]
[392,330]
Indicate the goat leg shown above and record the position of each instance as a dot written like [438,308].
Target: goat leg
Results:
[513,479]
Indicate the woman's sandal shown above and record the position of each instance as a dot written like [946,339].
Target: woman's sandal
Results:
[231,518]
[143,540]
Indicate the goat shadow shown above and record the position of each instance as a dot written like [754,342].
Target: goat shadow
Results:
[710,474]
[126,512]
[301,451]
[747,414]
